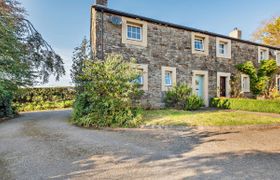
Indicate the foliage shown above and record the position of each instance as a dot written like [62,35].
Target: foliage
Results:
[5,103]
[260,79]
[177,96]
[268,32]
[222,103]
[269,106]
[171,117]
[193,103]
[31,99]
[110,96]
[25,57]
[80,55]
[181,97]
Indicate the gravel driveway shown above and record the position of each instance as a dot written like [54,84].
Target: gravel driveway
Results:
[43,145]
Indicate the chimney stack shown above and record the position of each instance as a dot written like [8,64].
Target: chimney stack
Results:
[236,33]
[102,2]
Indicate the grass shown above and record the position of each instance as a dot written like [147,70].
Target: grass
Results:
[208,118]
[255,105]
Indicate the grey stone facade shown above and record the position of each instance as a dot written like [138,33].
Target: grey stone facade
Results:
[168,46]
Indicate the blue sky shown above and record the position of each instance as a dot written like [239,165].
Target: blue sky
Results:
[64,23]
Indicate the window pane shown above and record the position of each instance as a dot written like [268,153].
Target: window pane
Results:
[222,48]
[198,44]
[138,36]
[168,79]
[134,32]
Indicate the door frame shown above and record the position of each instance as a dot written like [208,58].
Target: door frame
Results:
[228,88]
[205,84]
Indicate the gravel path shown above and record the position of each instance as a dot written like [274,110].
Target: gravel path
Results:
[43,145]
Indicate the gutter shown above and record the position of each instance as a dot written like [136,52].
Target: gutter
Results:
[120,13]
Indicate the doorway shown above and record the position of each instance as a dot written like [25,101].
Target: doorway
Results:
[200,85]
[223,84]
[223,88]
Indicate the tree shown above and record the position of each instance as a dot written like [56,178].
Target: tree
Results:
[109,98]
[80,55]
[269,32]
[25,57]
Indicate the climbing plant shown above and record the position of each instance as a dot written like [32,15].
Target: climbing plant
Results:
[260,78]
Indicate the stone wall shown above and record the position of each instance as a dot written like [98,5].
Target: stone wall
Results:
[168,46]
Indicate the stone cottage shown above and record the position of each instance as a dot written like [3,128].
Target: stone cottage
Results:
[169,53]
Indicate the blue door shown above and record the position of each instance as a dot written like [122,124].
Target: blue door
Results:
[199,81]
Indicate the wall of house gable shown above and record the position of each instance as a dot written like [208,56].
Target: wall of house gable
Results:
[171,47]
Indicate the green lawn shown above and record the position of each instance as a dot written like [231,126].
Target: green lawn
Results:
[208,118]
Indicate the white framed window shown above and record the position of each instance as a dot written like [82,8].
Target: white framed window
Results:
[168,77]
[263,54]
[223,47]
[278,83]
[278,58]
[200,43]
[134,32]
[142,79]
[245,83]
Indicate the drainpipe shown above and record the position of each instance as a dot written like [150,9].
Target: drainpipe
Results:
[102,34]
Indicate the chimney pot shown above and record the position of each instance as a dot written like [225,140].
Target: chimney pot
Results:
[236,33]
[102,2]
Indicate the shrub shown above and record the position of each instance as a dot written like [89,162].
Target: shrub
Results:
[6,108]
[110,96]
[34,99]
[222,103]
[269,106]
[177,96]
[181,97]
[193,103]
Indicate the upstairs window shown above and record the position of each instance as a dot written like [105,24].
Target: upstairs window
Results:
[263,54]
[134,32]
[199,44]
[223,47]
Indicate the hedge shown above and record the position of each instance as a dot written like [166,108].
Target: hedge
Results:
[33,99]
[269,106]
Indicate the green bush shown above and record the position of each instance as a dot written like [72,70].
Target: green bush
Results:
[222,103]
[193,103]
[269,106]
[35,99]
[6,108]
[110,96]
[181,97]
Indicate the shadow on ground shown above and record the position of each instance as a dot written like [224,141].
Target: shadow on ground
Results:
[241,165]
